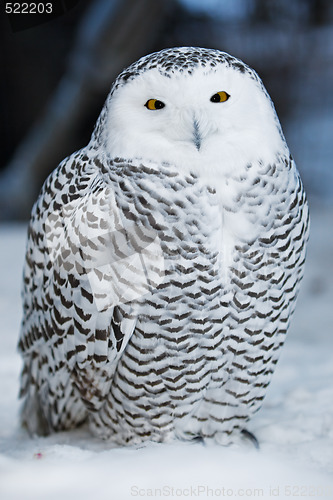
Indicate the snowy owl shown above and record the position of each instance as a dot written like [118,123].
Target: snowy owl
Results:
[164,259]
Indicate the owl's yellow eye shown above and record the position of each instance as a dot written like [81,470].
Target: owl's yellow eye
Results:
[220,97]
[154,104]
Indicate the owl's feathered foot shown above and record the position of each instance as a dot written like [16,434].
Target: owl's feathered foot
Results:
[251,437]
[245,434]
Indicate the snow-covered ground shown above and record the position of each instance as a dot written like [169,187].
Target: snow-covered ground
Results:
[294,427]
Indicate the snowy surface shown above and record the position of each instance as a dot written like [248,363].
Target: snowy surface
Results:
[294,427]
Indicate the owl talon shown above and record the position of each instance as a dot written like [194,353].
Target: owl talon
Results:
[251,437]
[198,440]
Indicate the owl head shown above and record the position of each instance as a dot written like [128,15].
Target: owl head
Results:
[201,110]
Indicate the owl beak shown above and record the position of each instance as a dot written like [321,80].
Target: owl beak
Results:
[196,135]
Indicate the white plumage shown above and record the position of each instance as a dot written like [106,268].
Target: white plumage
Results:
[164,259]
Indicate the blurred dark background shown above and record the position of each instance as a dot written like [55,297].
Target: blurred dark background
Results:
[56,75]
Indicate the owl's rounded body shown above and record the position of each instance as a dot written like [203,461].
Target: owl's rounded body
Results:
[164,259]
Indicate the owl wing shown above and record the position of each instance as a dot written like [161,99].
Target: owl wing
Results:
[83,280]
